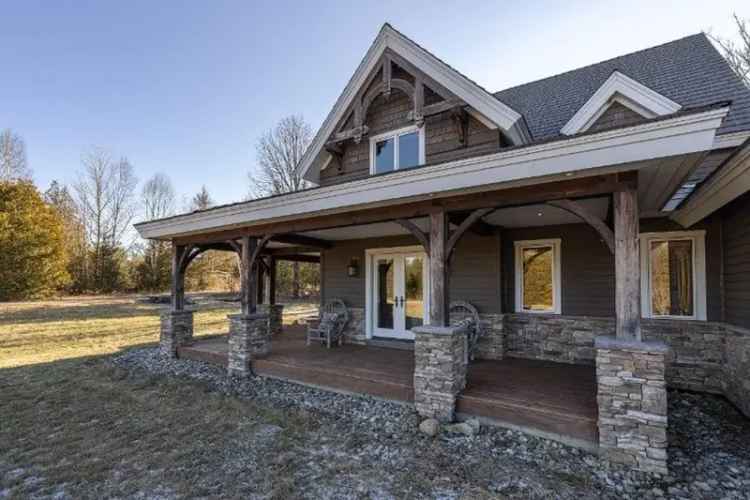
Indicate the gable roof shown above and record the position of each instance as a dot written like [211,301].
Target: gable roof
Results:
[465,89]
[689,71]
[628,92]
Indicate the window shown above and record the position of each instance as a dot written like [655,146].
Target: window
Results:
[395,150]
[673,275]
[538,276]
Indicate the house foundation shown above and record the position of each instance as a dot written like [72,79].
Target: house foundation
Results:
[439,370]
[632,399]
[248,339]
[176,331]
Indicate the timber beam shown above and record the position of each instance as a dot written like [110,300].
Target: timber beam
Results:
[302,240]
[524,195]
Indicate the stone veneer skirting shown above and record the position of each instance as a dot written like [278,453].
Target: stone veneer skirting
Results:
[704,356]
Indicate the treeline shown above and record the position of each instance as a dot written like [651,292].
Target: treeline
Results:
[78,238]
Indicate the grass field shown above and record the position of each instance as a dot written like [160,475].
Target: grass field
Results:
[72,426]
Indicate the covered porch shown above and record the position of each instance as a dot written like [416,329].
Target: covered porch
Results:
[553,400]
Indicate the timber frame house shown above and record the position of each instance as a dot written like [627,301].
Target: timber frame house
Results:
[596,220]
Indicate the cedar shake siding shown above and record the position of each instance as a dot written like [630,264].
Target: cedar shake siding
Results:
[587,269]
[736,237]
[616,115]
[441,138]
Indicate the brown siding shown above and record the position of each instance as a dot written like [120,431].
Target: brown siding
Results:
[441,138]
[474,276]
[587,266]
[616,116]
[736,238]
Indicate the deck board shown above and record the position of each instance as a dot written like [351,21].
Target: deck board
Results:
[554,398]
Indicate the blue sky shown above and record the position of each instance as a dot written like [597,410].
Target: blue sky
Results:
[186,88]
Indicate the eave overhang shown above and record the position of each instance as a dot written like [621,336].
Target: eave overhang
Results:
[583,155]
[479,100]
[730,181]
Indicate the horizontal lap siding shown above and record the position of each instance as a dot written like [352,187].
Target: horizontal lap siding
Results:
[474,272]
[736,236]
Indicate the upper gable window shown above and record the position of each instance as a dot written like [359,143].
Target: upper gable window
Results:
[397,150]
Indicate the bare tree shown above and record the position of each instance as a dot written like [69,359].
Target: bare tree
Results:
[279,152]
[105,192]
[201,201]
[158,197]
[737,54]
[13,163]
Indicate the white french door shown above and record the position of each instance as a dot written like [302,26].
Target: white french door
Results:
[398,293]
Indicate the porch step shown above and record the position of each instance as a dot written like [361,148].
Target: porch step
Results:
[405,345]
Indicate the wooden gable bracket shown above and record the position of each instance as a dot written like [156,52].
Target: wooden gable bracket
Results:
[461,121]
[337,152]
[422,237]
[599,225]
[386,73]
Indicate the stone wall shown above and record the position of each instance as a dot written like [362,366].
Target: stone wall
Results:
[737,368]
[248,339]
[492,343]
[632,399]
[176,331]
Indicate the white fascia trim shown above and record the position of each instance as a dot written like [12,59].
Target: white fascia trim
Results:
[730,182]
[617,85]
[471,93]
[731,140]
[689,133]
[519,246]
[699,272]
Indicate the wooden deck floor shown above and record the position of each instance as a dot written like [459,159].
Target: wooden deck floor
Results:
[553,399]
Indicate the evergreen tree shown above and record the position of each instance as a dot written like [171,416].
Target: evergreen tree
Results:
[32,260]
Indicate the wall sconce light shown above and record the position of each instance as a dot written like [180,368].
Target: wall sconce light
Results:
[353,268]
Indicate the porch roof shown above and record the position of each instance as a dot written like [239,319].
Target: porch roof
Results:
[588,154]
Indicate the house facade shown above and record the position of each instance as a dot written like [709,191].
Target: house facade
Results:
[596,217]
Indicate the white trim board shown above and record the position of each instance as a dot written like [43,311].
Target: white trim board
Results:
[518,247]
[628,92]
[545,162]
[699,272]
[472,94]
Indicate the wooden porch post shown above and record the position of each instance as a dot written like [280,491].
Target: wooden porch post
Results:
[178,277]
[248,281]
[272,280]
[627,265]
[438,269]
[259,276]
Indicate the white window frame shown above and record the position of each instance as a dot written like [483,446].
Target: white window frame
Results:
[395,134]
[556,273]
[699,271]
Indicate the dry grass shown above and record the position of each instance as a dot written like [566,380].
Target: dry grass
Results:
[71,426]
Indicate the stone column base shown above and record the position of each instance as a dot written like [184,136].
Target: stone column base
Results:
[632,398]
[439,370]
[275,314]
[176,331]
[248,340]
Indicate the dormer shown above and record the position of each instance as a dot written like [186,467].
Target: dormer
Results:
[619,101]
[404,108]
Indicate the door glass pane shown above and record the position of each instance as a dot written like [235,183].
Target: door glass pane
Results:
[671,278]
[385,296]
[408,150]
[537,279]
[413,292]
[384,156]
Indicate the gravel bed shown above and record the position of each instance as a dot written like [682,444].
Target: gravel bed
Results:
[385,456]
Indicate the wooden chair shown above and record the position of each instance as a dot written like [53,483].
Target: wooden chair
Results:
[464,314]
[329,328]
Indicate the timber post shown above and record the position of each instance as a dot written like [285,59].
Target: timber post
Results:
[249,336]
[630,373]
[177,322]
[438,269]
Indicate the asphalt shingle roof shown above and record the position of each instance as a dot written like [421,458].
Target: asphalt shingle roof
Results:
[690,71]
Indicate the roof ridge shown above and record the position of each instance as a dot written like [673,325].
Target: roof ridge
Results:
[700,34]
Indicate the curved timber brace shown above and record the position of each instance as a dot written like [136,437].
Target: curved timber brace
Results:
[599,225]
[250,249]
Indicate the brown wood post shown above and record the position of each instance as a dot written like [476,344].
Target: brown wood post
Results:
[627,265]
[272,280]
[438,270]
[178,278]
[248,281]
[260,288]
